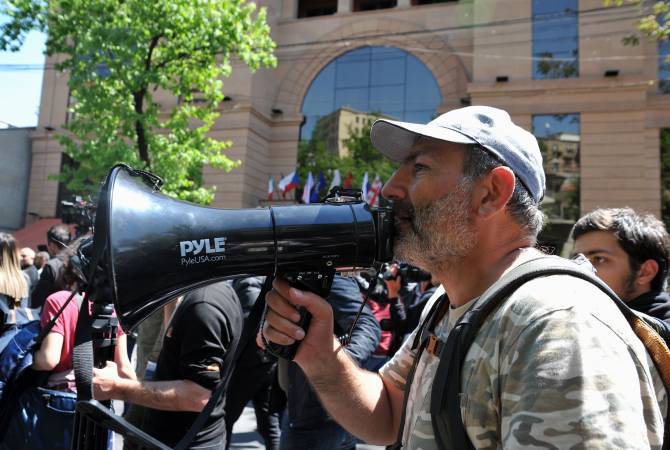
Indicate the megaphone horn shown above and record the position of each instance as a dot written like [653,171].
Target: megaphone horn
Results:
[157,248]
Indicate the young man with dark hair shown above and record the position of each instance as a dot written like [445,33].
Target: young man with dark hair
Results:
[51,278]
[631,253]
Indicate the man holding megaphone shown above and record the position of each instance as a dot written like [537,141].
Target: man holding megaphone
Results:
[556,366]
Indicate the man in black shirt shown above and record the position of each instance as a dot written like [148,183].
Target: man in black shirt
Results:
[197,354]
[51,278]
[630,253]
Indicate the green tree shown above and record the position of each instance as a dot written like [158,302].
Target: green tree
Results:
[665,176]
[119,55]
[654,21]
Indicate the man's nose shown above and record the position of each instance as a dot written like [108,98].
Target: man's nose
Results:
[396,186]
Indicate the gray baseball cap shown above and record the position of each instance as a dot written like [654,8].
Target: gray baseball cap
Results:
[491,128]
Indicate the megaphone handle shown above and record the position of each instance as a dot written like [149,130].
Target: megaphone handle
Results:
[317,282]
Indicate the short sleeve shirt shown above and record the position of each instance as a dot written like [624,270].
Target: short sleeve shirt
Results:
[65,325]
[555,366]
[205,328]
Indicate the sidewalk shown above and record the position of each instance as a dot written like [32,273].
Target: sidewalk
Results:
[245,436]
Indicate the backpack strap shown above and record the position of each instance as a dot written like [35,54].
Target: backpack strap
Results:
[249,330]
[445,396]
[420,340]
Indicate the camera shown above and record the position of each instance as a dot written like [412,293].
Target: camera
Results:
[78,212]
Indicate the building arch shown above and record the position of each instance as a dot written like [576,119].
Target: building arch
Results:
[431,49]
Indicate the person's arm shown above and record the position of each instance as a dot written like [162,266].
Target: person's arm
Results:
[175,395]
[363,402]
[121,358]
[346,299]
[205,337]
[48,355]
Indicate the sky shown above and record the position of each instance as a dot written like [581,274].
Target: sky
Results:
[21,82]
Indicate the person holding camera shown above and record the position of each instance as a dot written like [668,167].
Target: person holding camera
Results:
[391,294]
[556,365]
[51,279]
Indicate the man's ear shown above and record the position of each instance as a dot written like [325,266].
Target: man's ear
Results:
[493,191]
[647,272]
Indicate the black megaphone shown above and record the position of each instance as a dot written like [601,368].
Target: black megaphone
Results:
[156,248]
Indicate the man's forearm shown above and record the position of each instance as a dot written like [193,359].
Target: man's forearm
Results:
[357,399]
[176,395]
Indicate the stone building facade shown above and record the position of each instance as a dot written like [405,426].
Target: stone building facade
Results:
[479,52]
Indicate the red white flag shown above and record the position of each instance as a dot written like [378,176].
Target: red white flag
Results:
[271,187]
[375,191]
[337,180]
[289,182]
[348,182]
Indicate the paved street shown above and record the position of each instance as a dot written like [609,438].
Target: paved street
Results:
[245,435]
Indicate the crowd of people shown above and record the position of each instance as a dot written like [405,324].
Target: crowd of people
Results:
[190,345]
[466,198]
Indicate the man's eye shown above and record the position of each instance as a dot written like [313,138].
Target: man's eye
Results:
[418,167]
[598,260]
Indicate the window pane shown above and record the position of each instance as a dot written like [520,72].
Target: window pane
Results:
[388,71]
[555,39]
[353,74]
[422,89]
[419,116]
[664,67]
[356,98]
[320,98]
[559,139]
[387,98]
[663,63]
[313,8]
[383,80]
[369,5]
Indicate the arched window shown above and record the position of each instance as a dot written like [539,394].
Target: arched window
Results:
[365,82]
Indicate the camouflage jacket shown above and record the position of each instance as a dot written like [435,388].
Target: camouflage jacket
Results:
[556,366]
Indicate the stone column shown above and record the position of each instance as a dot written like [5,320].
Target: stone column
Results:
[403,3]
[289,9]
[343,6]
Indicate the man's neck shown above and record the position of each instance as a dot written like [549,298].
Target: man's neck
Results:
[641,296]
[473,275]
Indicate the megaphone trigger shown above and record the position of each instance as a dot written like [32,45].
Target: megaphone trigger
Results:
[318,282]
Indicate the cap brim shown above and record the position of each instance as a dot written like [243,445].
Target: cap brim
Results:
[395,139]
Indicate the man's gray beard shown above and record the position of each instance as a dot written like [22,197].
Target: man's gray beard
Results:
[441,234]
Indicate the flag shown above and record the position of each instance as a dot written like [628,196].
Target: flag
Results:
[348,182]
[375,191]
[364,187]
[271,187]
[307,190]
[320,184]
[337,180]
[289,182]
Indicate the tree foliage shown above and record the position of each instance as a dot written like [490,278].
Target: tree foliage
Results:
[145,80]
[665,176]
[315,157]
[654,22]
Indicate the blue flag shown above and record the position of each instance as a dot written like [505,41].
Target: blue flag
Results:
[320,184]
